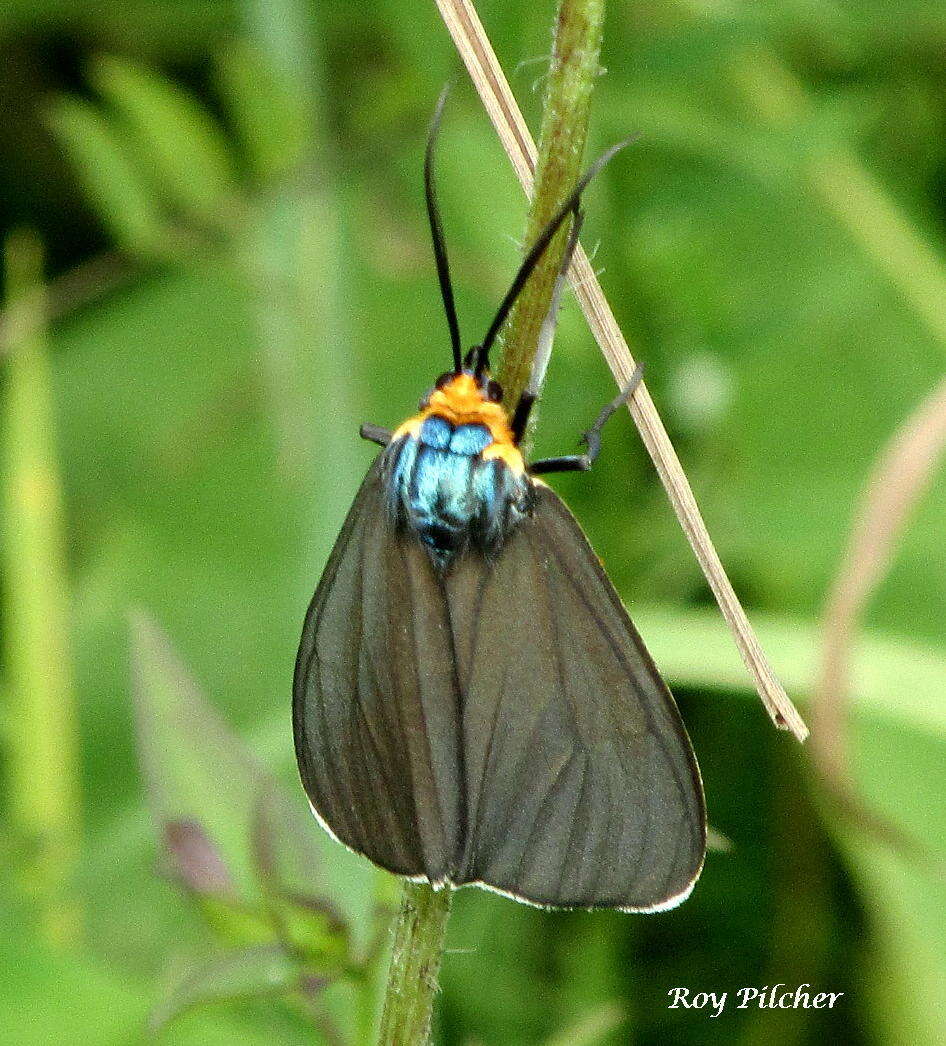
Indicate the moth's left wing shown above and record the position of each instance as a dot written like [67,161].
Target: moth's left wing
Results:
[375,705]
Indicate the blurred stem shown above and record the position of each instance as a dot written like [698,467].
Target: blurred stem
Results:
[567,104]
[594,1027]
[294,260]
[587,957]
[43,763]
[852,194]
[419,932]
[283,31]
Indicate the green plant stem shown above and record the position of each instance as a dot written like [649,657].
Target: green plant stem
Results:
[572,76]
[42,749]
[415,964]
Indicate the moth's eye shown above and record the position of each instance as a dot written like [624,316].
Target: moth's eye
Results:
[494,391]
[444,379]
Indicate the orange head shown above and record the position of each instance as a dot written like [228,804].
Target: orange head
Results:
[467,399]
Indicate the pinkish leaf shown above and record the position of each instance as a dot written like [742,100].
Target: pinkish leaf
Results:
[195,860]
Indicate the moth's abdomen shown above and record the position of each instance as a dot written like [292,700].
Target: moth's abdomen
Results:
[449,492]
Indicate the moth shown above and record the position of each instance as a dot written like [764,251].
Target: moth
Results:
[472,703]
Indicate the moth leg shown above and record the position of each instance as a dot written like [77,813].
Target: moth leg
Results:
[592,438]
[376,434]
[520,417]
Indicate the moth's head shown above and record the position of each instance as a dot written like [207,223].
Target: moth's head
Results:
[462,391]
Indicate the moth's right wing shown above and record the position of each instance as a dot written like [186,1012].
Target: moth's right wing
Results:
[582,789]
[375,700]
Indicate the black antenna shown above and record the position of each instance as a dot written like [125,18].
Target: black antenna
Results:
[538,249]
[436,233]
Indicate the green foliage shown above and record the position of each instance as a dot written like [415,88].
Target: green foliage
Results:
[113,182]
[236,842]
[282,293]
[251,972]
[172,136]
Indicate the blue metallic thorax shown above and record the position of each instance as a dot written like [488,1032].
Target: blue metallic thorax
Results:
[441,488]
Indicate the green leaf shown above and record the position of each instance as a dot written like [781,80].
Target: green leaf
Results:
[193,518]
[124,201]
[174,137]
[241,974]
[285,853]
[195,768]
[894,680]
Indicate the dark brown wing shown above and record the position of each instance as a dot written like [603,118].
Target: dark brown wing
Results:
[581,785]
[375,706]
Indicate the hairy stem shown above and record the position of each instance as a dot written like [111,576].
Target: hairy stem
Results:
[415,964]
[572,76]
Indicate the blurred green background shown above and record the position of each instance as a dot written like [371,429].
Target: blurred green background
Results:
[228,197]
